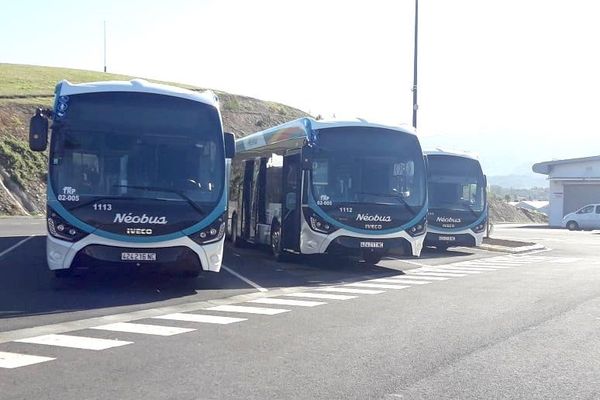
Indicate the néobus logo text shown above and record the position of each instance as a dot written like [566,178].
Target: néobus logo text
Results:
[130,218]
[373,221]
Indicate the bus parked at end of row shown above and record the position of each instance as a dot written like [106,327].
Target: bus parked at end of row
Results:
[137,175]
[314,187]
[458,210]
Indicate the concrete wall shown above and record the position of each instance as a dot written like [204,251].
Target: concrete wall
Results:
[589,169]
[555,209]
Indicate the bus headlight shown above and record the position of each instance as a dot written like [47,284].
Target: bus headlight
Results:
[61,229]
[317,223]
[419,228]
[212,233]
[479,228]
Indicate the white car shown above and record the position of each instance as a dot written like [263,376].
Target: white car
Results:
[587,217]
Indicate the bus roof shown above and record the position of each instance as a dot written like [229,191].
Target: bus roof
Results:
[453,153]
[303,128]
[66,88]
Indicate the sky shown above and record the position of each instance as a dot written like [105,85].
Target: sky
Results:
[514,81]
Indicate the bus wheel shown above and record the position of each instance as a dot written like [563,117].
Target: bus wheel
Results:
[63,273]
[235,239]
[372,257]
[276,249]
[572,226]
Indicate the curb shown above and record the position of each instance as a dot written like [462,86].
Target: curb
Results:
[512,250]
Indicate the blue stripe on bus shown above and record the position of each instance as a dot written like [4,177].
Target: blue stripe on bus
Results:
[71,219]
[462,228]
[313,205]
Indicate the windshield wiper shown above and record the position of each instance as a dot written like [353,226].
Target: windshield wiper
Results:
[166,190]
[396,196]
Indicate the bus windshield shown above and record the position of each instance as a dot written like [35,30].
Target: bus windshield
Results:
[368,165]
[137,145]
[456,183]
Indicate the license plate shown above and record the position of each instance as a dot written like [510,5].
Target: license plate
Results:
[447,238]
[138,256]
[371,245]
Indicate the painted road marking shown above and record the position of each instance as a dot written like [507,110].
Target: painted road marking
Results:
[366,284]
[16,360]
[439,274]
[326,296]
[450,270]
[349,290]
[75,342]
[470,265]
[243,278]
[287,302]
[143,328]
[413,282]
[248,310]
[467,268]
[418,278]
[209,319]
[14,246]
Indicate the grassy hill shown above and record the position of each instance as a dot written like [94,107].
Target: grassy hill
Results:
[25,87]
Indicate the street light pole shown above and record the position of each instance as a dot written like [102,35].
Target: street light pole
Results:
[414,88]
[105,46]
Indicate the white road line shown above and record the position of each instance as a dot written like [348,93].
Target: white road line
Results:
[386,280]
[288,302]
[375,285]
[209,319]
[468,268]
[14,246]
[470,265]
[248,310]
[484,267]
[143,329]
[16,360]
[418,278]
[243,278]
[451,270]
[349,290]
[440,274]
[75,342]
[326,296]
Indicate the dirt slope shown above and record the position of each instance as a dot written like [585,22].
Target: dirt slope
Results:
[24,88]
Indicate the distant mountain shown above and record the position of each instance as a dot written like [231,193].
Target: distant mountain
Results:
[519,181]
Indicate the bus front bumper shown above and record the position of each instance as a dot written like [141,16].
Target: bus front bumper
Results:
[61,254]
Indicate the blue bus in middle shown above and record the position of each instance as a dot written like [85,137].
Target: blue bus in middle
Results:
[337,187]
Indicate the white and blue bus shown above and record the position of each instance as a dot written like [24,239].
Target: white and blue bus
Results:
[314,187]
[137,174]
[458,210]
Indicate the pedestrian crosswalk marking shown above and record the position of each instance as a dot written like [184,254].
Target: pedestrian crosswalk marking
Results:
[326,296]
[410,282]
[287,302]
[350,290]
[248,310]
[209,319]
[16,360]
[143,329]
[431,273]
[368,284]
[75,342]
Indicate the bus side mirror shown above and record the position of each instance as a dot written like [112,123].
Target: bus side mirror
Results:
[38,132]
[307,155]
[485,182]
[229,144]
[290,201]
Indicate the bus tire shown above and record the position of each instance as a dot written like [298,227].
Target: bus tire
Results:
[278,253]
[63,273]
[372,257]
[572,226]
[235,239]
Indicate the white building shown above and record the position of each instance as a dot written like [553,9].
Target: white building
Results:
[573,184]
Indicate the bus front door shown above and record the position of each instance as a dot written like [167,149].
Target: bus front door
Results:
[291,207]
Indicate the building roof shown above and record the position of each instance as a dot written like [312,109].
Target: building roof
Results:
[546,166]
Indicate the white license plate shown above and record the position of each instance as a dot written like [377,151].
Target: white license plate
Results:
[138,256]
[371,245]
[447,238]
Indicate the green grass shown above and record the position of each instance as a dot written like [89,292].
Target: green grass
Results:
[23,165]
[17,79]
